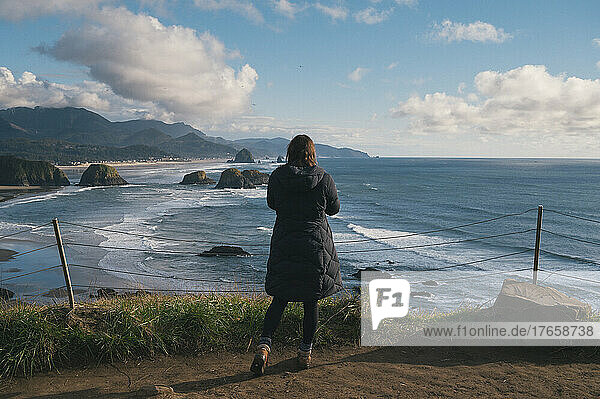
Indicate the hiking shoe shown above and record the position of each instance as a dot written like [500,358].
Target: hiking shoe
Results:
[303,359]
[260,359]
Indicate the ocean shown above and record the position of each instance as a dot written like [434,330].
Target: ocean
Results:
[380,197]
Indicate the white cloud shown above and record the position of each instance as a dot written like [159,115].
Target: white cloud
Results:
[357,74]
[244,8]
[16,10]
[287,8]
[335,13]
[596,41]
[392,65]
[176,68]
[29,91]
[371,16]
[523,101]
[409,3]
[476,32]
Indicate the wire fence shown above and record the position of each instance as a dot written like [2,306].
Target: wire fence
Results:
[226,285]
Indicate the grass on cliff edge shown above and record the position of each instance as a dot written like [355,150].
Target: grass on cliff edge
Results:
[35,338]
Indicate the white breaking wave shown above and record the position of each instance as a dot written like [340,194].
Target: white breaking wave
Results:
[60,192]
[250,192]
[448,254]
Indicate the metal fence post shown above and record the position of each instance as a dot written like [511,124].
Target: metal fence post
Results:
[538,236]
[63,261]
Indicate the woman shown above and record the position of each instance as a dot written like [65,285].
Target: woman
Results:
[303,265]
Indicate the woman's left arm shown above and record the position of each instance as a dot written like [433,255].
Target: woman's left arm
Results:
[333,202]
[271,188]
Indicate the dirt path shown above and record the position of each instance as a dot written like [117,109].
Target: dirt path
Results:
[342,373]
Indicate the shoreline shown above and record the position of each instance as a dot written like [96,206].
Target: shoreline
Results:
[144,163]
[11,192]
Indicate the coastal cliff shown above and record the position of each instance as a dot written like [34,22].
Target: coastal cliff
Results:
[20,172]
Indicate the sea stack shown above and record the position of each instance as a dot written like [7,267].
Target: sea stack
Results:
[257,178]
[243,156]
[224,250]
[101,175]
[280,159]
[198,177]
[233,178]
[20,172]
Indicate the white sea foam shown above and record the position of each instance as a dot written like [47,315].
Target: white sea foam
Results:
[266,229]
[260,192]
[28,200]
[445,253]
[61,192]
[80,189]
[7,227]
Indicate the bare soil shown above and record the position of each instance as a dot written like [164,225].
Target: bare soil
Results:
[347,372]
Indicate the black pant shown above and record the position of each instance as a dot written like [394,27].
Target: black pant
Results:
[275,311]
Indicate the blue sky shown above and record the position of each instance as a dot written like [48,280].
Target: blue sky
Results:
[392,77]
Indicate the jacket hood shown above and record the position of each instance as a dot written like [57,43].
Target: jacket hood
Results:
[300,179]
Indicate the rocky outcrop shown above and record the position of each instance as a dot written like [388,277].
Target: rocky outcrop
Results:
[20,172]
[224,250]
[101,175]
[521,301]
[280,159]
[359,274]
[197,178]
[243,156]
[233,178]
[257,178]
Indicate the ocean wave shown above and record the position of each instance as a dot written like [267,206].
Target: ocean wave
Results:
[578,259]
[267,229]
[33,197]
[29,199]
[250,193]
[420,257]
[8,227]
[378,233]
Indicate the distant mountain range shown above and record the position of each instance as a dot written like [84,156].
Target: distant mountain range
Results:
[64,135]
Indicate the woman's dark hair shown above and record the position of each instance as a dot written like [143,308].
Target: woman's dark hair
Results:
[301,151]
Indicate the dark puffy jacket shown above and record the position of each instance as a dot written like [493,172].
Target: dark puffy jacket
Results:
[303,264]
